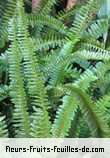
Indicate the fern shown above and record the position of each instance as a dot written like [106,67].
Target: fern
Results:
[40,125]
[96,29]
[7,10]
[61,126]
[47,6]
[54,70]
[86,54]
[3,128]
[85,80]
[96,119]
[49,21]
[20,117]
[35,83]
[82,19]
[66,14]
[50,42]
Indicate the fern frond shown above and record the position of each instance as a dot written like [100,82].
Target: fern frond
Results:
[66,14]
[7,10]
[64,117]
[49,21]
[48,6]
[94,116]
[39,128]
[101,69]
[104,104]
[34,78]
[101,55]
[97,47]
[20,116]
[58,59]
[82,129]
[85,80]
[58,73]
[49,42]
[82,19]
[96,29]
[3,128]
[83,63]
[45,7]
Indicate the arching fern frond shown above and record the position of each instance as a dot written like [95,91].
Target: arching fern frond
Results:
[94,117]
[49,21]
[64,117]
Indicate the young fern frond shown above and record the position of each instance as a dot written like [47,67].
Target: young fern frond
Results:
[70,106]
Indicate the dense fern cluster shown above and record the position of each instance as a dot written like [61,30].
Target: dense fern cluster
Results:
[54,70]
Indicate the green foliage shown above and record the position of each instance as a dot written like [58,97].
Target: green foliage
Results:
[7,9]
[67,110]
[54,70]
[3,128]
[20,115]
